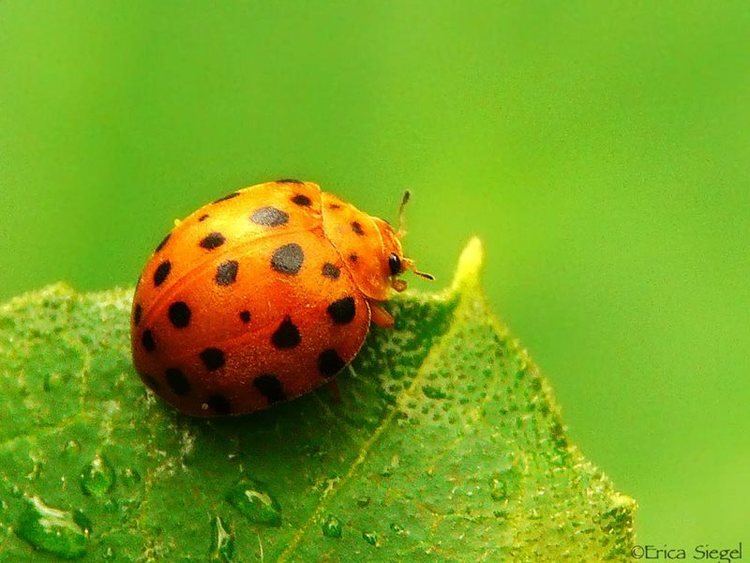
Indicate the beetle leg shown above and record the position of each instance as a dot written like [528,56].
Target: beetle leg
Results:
[381,317]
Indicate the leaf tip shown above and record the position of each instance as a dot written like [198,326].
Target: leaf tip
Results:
[469,265]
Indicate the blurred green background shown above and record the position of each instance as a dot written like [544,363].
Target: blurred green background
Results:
[601,150]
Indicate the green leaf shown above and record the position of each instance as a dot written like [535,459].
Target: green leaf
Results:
[445,444]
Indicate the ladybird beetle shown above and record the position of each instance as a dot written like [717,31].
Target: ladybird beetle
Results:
[262,296]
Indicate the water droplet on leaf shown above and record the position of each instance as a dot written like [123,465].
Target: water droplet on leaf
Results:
[71,448]
[370,537]
[498,490]
[97,477]
[253,500]
[130,476]
[397,528]
[506,482]
[389,469]
[332,527]
[61,533]
[222,541]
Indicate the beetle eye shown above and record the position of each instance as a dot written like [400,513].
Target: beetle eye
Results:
[394,263]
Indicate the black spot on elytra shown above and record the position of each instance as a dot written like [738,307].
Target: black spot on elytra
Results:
[331,271]
[137,314]
[179,314]
[177,381]
[334,206]
[353,258]
[203,217]
[289,181]
[357,228]
[286,335]
[161,273]
[270,387]
[302,200]
[213,240]
[269,217]
[163,243]
[330,363]
[226,272]
[213,359]
[245,316]
[342,311]
[288,259]
[147,340]
[219,404]
[226,197]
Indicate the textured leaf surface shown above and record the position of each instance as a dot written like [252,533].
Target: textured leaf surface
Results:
[445,445]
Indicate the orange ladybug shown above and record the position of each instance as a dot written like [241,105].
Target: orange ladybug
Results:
[262,296]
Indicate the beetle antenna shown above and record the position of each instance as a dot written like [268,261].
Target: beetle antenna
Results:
[401,216]
[424,275]
[410,266]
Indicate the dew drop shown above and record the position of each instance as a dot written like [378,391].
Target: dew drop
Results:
[61,533]
[36,470]
[506,482]
[397,528]
[370,537]
[498,490]
[255,503]
[388,470]
[51,380]
[97,477]
[130,476]
[331,527]
[222,541]
[71,448]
